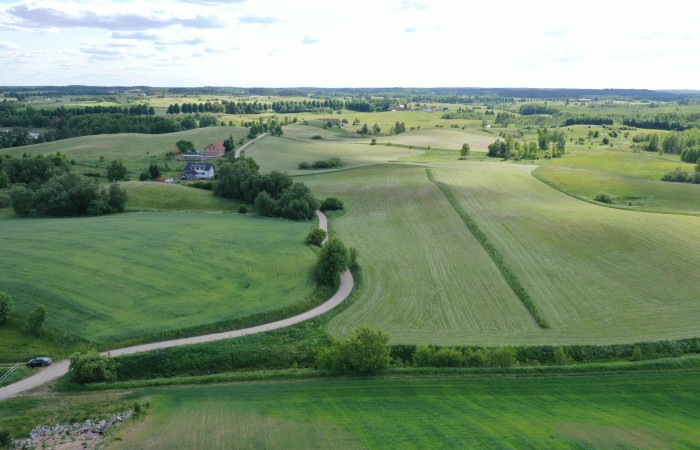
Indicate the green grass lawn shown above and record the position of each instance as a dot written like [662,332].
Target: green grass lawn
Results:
[629,411]
[114,278]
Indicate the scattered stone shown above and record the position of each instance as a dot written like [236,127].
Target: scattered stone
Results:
[46,437]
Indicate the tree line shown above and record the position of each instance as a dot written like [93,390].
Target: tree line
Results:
[550,144]
[274,194]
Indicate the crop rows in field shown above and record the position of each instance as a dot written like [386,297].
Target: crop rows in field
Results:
[425,277]
[644,411]
[111,278]
[598,274]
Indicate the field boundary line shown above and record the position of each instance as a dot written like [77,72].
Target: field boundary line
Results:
[497,258]
[60,368]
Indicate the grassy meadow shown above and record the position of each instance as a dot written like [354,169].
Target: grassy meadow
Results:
[629,411]
[129,275]
[175,197]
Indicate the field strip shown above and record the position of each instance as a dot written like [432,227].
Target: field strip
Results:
[60,368]
[508,274]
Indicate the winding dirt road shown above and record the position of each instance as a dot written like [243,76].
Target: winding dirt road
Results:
[60,368]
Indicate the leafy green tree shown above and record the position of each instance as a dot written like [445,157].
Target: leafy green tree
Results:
[91,367]
[503,357]
[229,145]
[332,261]
[366,353]
[6,305]
[332,204]
[560,356]
[184,145]
[464,152]
[116,171]
[376,129]
[22,200]
[116,198]
[315,237]
[35,321]
[364,129]
[153,171]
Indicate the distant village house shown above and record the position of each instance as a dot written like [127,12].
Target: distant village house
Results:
[198,171]
[215,150]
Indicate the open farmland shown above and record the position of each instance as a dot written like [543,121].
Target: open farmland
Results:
[631,411]
[425,277]
[286,152]
[593,271]
[441,138]
[129,275]
[175,197]
[598,274]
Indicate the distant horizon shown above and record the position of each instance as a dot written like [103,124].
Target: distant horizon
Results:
[417,43]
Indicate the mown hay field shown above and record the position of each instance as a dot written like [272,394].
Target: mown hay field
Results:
[114,278]
[638,411]
[599,275]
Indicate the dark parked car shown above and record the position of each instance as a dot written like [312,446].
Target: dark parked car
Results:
[41,361]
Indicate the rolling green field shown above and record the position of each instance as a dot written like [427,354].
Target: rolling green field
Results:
[593,271]
[175,197]
[286,152]
[127,275]
[136,151]
[630,411]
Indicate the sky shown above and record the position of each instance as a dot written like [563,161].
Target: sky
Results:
[351,43]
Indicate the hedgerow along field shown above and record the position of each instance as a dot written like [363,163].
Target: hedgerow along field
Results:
[126,276]
[637,411]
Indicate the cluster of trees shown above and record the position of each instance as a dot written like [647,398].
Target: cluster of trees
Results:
[16,137]
[678,175]
[43,185]
[686,143]
[529,110]
[13,114]
[35,321]
[322,164]
[399,127]
[274,194]
[68,195]
[365,129]
[588,120]
[664,121]
[257,128]
[429,356]
[550,144]
[188,108]
[325,105]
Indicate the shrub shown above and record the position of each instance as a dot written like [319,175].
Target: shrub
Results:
[5,439]
[423,356]
[448,357]
[243,209]
[6,305]
[354,254]
[678,176]
[503,357]
[317,137]
[143,176]
[206,185]
[116,171]
[35,321]
[561,358]
[332,261]
[315,237]
[5,200]
[91,367]
[637,354]
[22,200]
[332,204]
[366,352]
[304,166]
[695,179]
[605,198]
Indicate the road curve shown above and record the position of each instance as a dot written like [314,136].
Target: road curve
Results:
[237,154]
[60,368]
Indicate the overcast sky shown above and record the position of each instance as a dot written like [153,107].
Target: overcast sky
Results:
[351,43]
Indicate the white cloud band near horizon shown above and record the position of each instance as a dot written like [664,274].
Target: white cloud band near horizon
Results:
[350,44]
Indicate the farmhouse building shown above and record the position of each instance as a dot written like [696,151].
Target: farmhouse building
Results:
[215,150]
[191,155]
[198,171]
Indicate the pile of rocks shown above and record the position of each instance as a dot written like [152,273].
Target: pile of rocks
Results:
[87,430]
